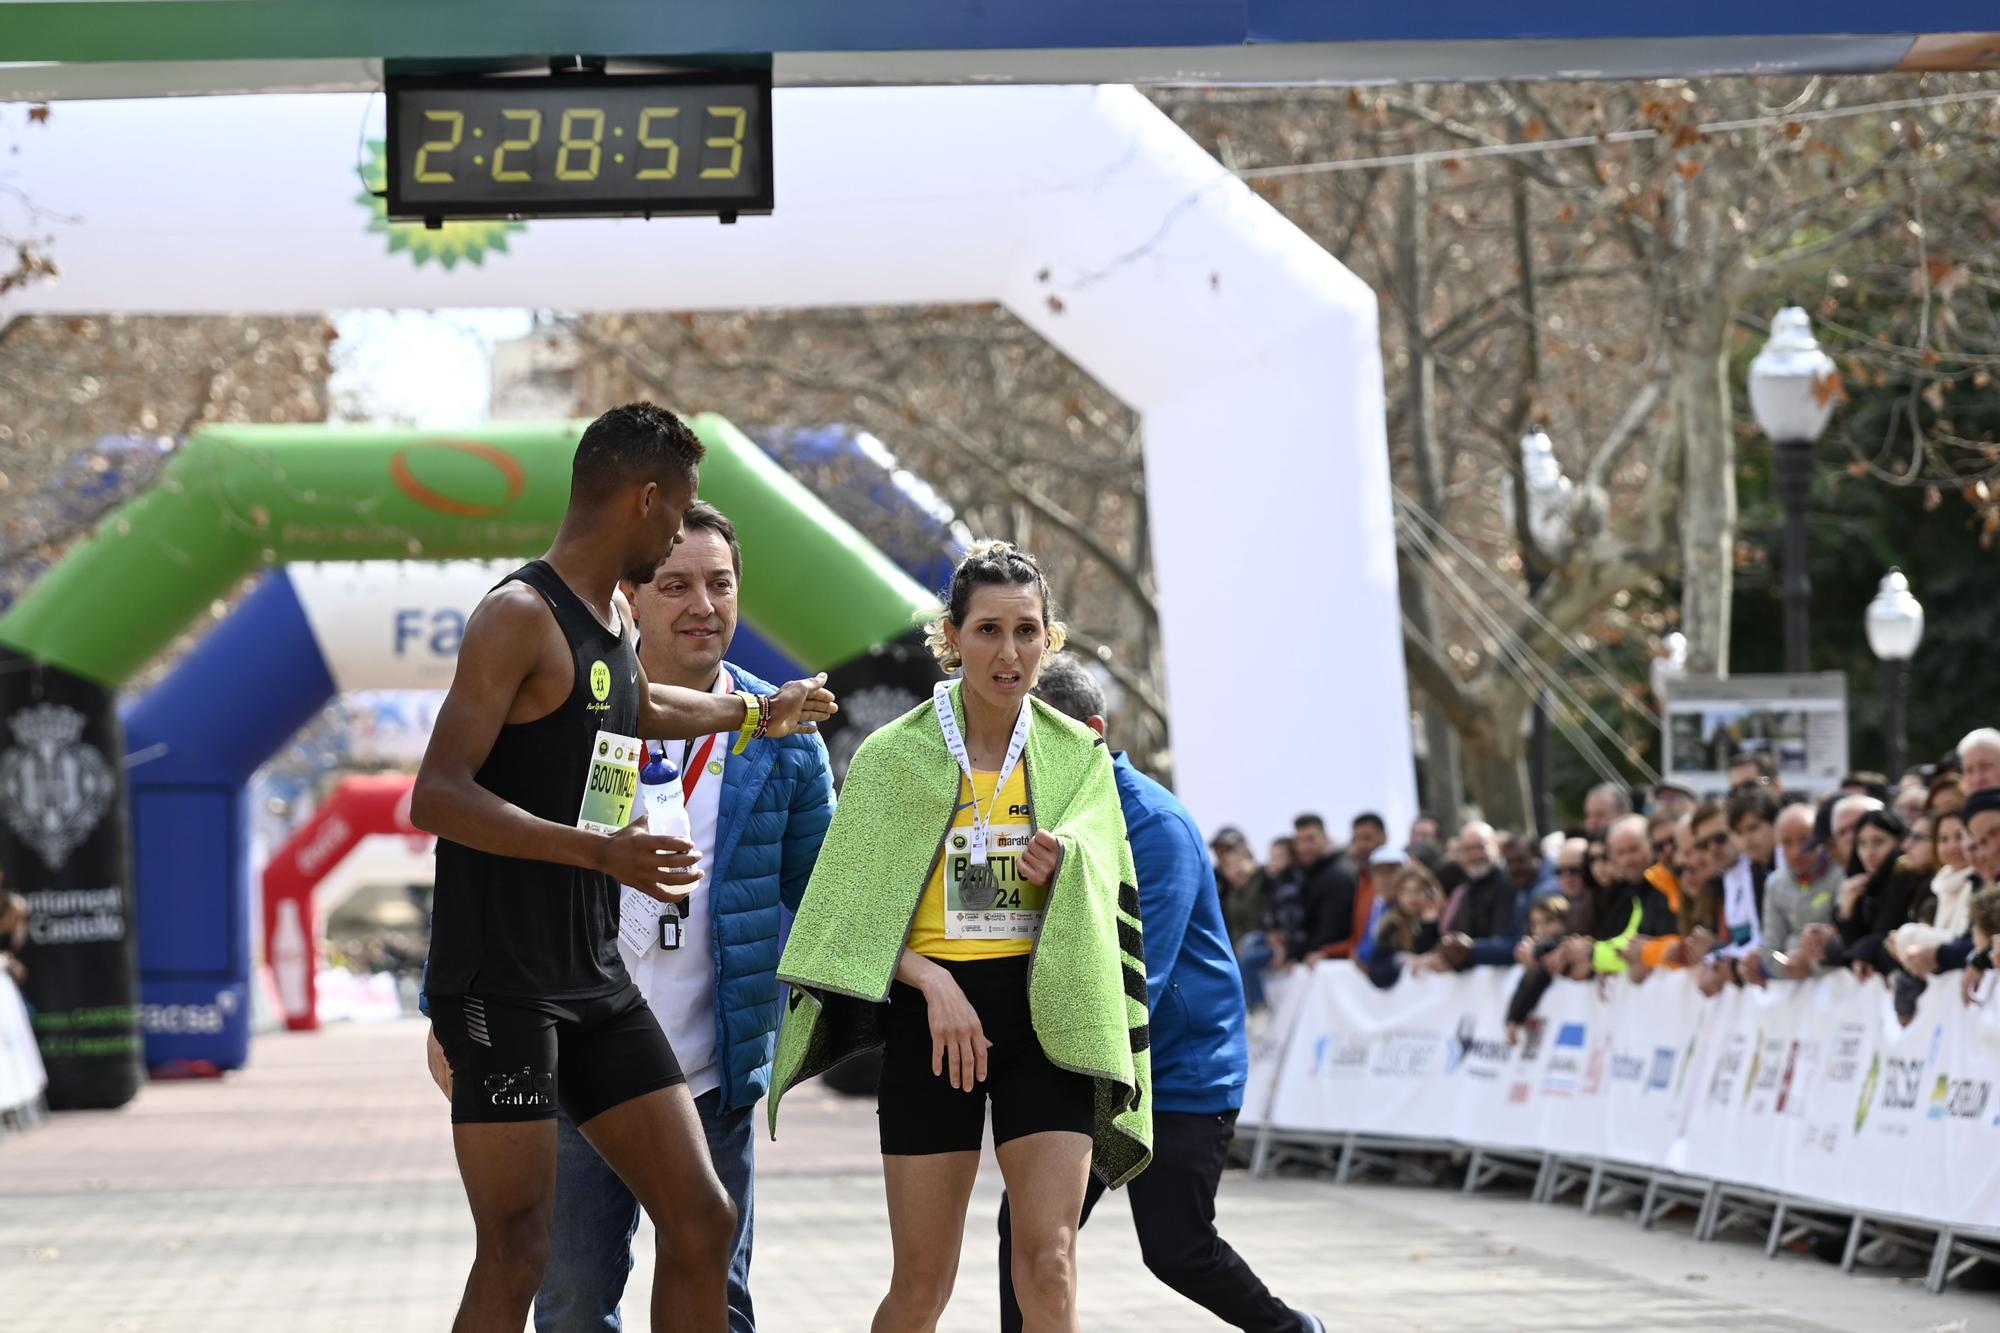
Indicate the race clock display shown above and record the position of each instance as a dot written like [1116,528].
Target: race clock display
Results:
[603,145]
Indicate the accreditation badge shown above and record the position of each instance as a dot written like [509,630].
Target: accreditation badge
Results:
[612,783]
[991,901]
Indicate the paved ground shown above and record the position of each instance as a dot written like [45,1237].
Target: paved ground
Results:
[316,1192]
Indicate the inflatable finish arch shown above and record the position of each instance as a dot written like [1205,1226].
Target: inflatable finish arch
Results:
[233,499]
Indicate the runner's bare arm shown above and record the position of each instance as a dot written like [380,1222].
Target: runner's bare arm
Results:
[671,712]
[496,659]
[503,640]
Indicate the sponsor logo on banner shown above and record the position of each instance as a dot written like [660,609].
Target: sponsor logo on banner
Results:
[197,1019]
[1480,1059]
[1959,1098]
[1406,1053]
[1566,1059]
[1627,1068]
[1767,1069]
[1662,1076]
[1593,1069]
[1797,1055]
[55,786]
[1728,1066]
[1335,1057]
[453,243]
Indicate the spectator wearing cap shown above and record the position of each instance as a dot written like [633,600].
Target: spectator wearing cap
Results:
[1386,868]
[1672,799]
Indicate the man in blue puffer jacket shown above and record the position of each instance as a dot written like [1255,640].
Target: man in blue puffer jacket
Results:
[758,819]
[1201,1055]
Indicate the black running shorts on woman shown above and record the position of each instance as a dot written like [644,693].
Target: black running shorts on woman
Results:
[920,1113]
[527,951]
[515,1059]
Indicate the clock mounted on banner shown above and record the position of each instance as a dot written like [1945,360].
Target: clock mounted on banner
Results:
[590,144]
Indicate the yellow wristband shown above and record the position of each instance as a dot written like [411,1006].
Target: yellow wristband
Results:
[753,709]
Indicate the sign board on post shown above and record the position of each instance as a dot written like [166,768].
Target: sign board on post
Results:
[63,846]
[1800,721]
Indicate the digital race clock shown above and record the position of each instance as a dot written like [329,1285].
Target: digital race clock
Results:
[522,145]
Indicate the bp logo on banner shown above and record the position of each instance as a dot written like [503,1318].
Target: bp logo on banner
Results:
[56,787]
[467,240]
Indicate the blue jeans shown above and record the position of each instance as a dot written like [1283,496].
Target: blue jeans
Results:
[590,1253]
[1253,955]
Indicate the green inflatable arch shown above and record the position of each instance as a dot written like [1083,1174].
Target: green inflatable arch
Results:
[236,499]
[239,497]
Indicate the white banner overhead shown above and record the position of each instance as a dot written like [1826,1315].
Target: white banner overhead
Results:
[1250,354]
[1813,1091]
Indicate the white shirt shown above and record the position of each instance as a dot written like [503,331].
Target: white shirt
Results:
[679,984]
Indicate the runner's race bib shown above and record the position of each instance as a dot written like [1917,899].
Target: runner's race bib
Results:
[613,783]
[991,902]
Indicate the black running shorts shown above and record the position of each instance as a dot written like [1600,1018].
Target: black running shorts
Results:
[516,1059]
[920,1113]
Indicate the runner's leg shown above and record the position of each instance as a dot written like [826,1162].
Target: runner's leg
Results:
[509,1172]
[731,1147]
[928,1195]
[655,1144]
[1010,1307]
[591,1255]
[1046,1177]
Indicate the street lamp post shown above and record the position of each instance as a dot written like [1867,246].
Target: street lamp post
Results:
[1895,622]
[1791,399]
[1549,497]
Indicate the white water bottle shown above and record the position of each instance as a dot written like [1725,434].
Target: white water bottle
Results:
[661,798]
[665,804]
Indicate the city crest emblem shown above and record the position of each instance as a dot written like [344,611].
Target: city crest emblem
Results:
[55,787]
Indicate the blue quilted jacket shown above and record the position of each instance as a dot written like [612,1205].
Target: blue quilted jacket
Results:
[777,799]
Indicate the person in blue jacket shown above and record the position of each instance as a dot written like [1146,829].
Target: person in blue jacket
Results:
[758,819]
[1201,1056]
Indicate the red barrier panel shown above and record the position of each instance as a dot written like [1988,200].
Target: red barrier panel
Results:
[360,807]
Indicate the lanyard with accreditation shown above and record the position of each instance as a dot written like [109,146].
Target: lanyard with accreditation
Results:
[978,904]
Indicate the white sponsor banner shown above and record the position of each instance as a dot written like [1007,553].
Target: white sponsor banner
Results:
[392,624]
[1813,1090]
[22,1078]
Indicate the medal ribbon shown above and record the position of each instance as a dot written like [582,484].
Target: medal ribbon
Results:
[948,723]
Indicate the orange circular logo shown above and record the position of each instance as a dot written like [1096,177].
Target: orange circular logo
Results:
[430,497]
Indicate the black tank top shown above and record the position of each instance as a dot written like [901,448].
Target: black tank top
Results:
[502,926]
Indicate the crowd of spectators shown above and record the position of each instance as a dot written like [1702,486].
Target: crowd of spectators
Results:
[1897,881]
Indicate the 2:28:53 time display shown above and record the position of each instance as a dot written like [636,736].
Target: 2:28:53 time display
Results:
[705,141]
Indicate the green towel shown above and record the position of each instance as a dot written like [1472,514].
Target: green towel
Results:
[1087,975]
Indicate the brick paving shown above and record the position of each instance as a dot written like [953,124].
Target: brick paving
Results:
[316,1191]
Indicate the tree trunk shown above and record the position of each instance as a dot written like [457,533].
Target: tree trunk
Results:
[1708,496]
[1444,780]
[1496,766]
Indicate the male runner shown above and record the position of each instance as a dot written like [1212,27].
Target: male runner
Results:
[528,783]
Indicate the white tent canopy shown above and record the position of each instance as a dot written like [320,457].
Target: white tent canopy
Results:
[1250,354]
